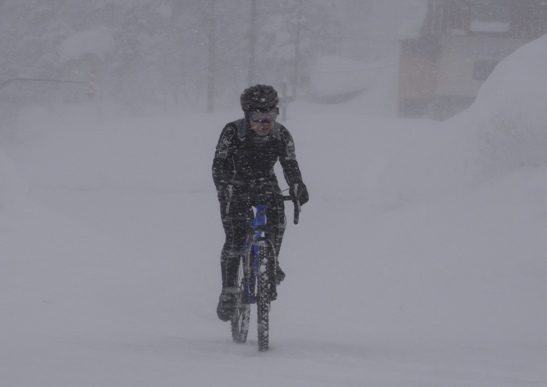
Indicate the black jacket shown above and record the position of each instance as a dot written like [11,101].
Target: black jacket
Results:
[243,158]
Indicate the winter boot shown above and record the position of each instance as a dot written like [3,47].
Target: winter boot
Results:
[227,304]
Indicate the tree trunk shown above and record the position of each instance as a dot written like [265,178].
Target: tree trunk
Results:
[211,75]
[252,45]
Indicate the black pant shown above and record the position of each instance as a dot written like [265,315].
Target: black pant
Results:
[236,224]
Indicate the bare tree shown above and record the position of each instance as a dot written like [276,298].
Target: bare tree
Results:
[253,33]
[297,49]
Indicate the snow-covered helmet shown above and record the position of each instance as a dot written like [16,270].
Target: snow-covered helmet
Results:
[259,98]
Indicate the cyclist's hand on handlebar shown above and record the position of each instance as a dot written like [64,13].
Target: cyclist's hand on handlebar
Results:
[299,193]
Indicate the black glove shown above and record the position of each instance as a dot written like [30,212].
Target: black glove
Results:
[225,192]
[299,192]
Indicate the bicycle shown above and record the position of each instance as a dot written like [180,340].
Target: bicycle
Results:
[256,278]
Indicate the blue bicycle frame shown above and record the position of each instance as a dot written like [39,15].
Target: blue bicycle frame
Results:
[257,224]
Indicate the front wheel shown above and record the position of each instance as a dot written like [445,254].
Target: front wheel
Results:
[266,291]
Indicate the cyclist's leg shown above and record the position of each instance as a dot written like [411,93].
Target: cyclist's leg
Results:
[235,225]
[275,213]
[278,220]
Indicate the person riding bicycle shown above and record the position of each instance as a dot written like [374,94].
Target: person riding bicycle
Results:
[245,156]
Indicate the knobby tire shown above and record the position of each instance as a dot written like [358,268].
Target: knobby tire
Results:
[266,291]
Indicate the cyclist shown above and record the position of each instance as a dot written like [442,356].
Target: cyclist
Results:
[244,161]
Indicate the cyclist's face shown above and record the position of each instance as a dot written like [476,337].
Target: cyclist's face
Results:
[262,123]
[262,128]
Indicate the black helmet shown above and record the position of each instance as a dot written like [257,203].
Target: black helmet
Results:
[259,98]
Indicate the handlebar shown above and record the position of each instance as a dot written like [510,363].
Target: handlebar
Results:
[297,206]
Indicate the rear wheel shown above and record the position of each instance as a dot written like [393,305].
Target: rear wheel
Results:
[266,292]
[242,316]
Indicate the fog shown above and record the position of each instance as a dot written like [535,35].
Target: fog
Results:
[419,260]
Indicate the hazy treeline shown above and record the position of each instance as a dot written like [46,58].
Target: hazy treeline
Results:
[150,53]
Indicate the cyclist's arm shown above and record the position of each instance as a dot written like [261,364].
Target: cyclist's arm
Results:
[291,170]
[223,170]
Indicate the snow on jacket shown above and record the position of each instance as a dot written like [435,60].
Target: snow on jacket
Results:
[243,158]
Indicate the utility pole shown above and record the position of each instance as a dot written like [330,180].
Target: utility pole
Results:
[211,74]
[297,49]
[252,44]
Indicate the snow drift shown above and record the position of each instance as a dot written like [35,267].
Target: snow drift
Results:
[506,128]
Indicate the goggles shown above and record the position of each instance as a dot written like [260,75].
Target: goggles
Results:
[263,117]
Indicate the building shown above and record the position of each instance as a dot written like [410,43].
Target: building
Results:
[459,45]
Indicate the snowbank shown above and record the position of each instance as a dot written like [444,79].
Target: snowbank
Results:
[506,128]
[509,115]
